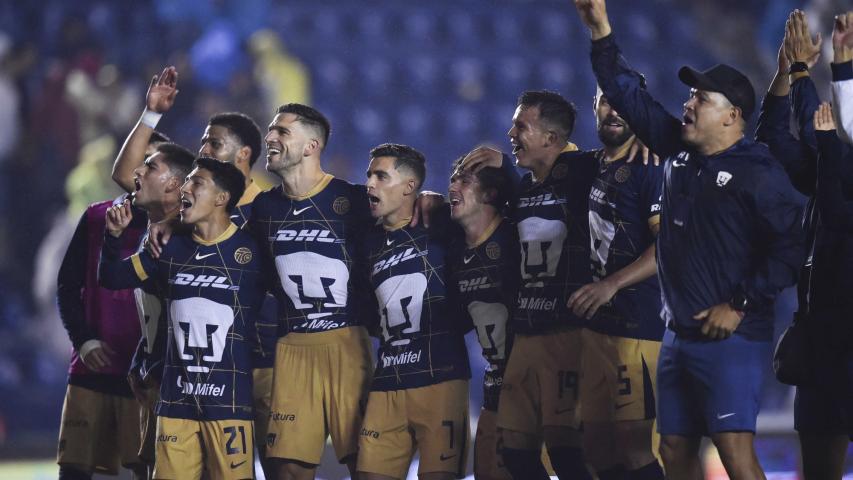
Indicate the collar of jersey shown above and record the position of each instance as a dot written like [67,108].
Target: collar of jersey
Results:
[570,147]
[231,230]
[314,190]
[488,232]
[249,195]
[398,225]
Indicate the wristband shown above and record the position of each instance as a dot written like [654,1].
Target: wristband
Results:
[150,118]
[798,67]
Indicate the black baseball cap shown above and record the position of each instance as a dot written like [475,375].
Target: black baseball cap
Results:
[723,79]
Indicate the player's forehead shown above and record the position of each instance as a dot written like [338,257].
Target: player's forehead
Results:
[286,120]
[526,114]
[382,164]
[200,174]
[218,132]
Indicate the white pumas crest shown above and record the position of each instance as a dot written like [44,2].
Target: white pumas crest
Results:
[723,178]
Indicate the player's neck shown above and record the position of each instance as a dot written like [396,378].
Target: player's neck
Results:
[612,153]
[165,211]
[541,169]
[299,180]
[400,217]
[481,226]
[212,227]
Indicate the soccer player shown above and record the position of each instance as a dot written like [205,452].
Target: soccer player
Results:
[485,281]
[819,408]
[419,396]
[622,340]
[212,283]
[540,396]
[308,225]
[100,425]
[729,241]
[231,137]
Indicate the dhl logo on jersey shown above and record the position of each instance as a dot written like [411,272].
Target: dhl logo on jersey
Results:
[541,199]
[409,254]
[213,281]
[481,283]
[305,235]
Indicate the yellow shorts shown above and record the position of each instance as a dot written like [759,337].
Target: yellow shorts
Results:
[148,425]
[541,383]
[432,419]
[222,448]
[618,378]
[320,387]
[262,394]
[488,463]
[99,432]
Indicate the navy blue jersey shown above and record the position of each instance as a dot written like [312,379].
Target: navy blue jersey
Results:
[553,229]
[624,199]
[212,290]
[421,341]
[150,356]
[310,241]
[730,222]
[266,322]
[485,279]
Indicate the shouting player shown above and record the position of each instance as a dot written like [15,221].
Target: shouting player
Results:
[211,279]
[484,263]
[419,396]
[729,241]
[621,342]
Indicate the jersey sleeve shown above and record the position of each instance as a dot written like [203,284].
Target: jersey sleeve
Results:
[70,283]
[651,191]
[779,212]
[842,95]
[116,274]
[622,86]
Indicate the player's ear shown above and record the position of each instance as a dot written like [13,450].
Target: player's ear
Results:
[489,195]
[244,154]
[222,198]
[311,148]
[411,186]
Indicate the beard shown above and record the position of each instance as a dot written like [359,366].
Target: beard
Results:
[613,139]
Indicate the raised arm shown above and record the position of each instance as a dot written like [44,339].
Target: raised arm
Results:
[836,209]
[70,283]
[842,75]
[158,100]
[774,129]
[623,86]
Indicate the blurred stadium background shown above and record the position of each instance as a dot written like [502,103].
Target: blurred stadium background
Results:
[441,75]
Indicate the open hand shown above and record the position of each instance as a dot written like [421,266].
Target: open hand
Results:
[823,120]
[842,38]
[799,45]
[162,91]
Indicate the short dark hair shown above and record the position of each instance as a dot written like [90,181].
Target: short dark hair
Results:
[178,158]
[311,117]
[555,110]
[226,176]
[404,156]
[244,128]
[491,178]
[158,137]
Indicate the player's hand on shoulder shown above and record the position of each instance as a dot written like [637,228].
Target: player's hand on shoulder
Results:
[640,150]
[481,157]
[162,91]
[118,218]
[427,203]
[158,236]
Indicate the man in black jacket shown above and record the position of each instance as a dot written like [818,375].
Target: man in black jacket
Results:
[730,240]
